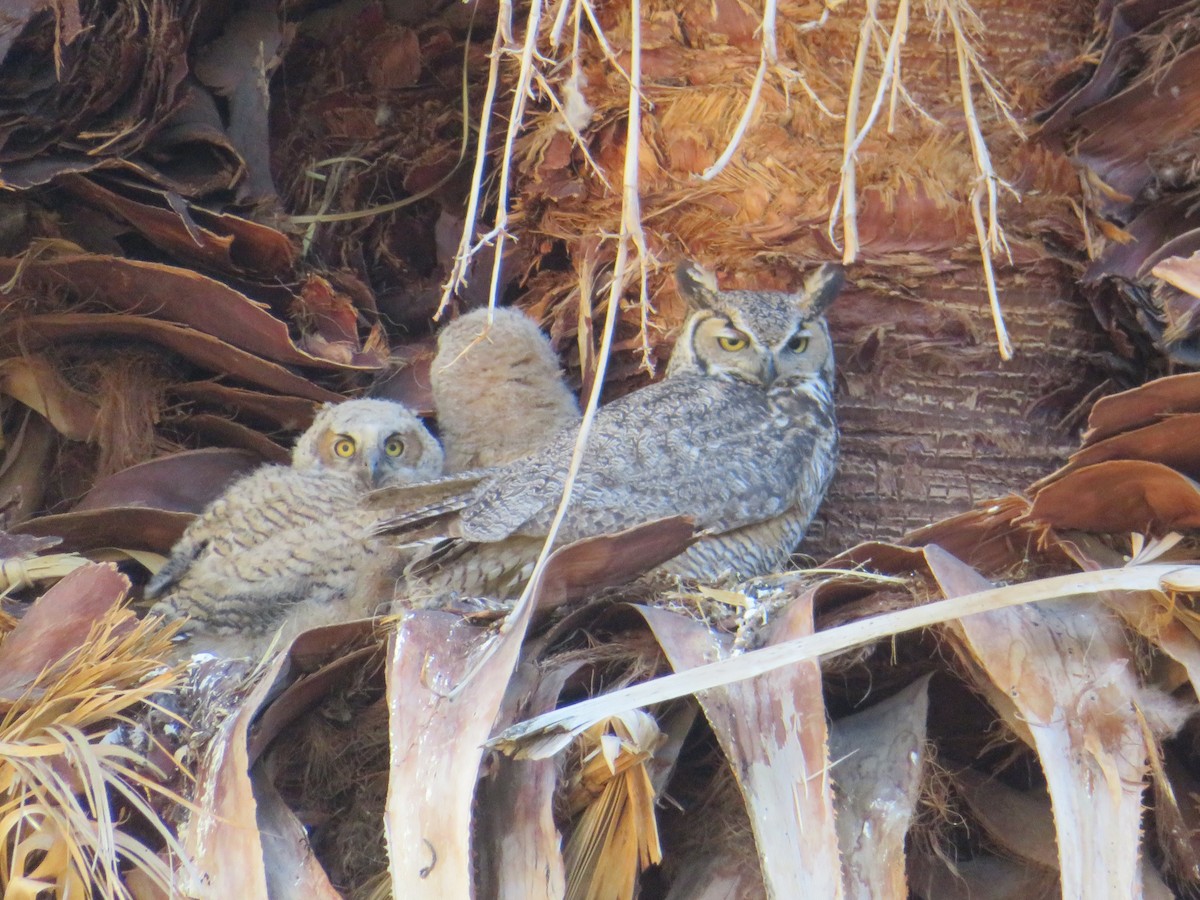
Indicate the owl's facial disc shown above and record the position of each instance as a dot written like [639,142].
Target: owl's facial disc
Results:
[723,348]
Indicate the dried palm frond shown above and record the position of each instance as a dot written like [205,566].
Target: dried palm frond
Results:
[69,788]
[616,835]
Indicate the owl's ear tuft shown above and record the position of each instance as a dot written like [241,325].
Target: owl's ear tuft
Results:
[697,285]
[822,287]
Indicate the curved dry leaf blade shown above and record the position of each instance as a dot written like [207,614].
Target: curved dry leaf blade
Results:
[772,730]
[878,764]
[232,65]
[37,332]
[57,624]
[175,294]
[16,546]
[34,381]
[716,875]
[1182,272]
[520,854]
[1156,111]
[219,240]
[24,466]
[445,681]
[1170,441]
[221,836]
[1019,822]
[986,537]
[19,17]
[1151,232]
[1143,405]
[220,431]
[980,878]
[244,841]
[129,526]
[878,556]
[411,384]
[289,413]
[586,566]
[181,482]
[1176,816]
[1120,496]
[320,655]
[291,868]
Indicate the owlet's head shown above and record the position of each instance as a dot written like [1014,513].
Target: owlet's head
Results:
[381,442]
[756,336]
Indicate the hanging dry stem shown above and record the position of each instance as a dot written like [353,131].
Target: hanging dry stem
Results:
[989,234]
[890,73]
[963,22]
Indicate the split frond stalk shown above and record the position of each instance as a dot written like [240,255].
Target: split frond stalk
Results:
[1161,578]
[17,573]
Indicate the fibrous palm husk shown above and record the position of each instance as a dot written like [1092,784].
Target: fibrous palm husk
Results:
[858,144]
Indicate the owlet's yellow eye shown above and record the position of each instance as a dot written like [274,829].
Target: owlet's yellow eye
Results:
[732,344]
[798,343]
[393,446]
[344,447]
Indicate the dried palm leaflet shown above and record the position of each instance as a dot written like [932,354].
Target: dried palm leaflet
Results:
[81,808]
[1129,123]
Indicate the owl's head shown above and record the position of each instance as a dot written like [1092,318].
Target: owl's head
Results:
[756,336]
[381,442]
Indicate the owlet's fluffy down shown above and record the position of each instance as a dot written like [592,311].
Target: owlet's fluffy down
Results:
[498,388]
[284,549]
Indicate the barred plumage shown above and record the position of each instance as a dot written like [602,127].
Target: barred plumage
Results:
[740,435]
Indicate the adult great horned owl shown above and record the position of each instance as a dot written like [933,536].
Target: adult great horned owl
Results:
[285,546]
[498,388]
[740,435]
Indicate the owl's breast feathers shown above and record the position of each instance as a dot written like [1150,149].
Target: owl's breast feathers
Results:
[724,452]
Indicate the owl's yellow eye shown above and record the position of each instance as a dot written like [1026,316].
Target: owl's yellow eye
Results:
[732,344]
[344,447]
[394,446]
[798,343]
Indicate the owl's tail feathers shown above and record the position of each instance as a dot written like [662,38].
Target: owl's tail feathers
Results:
[414,507]
[441,553]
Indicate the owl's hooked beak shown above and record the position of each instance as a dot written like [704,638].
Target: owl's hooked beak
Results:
[374,467]
[770,370]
